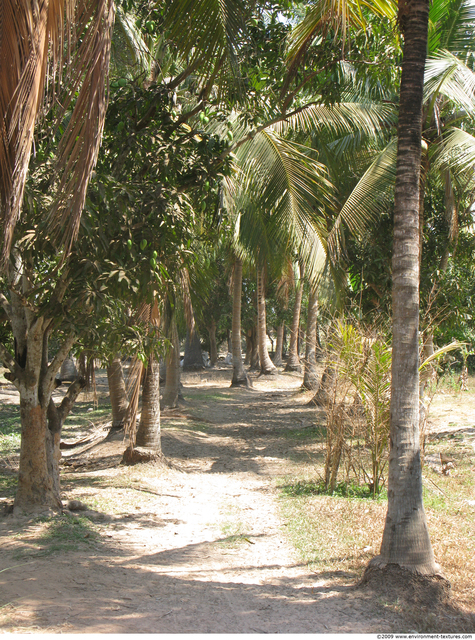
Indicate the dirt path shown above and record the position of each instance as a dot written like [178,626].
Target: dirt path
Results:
[196,548]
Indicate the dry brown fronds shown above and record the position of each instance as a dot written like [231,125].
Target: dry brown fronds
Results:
[33,36]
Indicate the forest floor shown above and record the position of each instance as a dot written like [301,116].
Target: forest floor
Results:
[215,540]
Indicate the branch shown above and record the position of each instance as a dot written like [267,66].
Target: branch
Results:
[58,360]
[6,305]
[7,359]
[57,415]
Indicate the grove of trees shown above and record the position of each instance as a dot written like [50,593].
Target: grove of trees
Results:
[228,170]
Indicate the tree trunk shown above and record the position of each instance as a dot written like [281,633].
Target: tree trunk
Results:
[148,433]
[406,540]
[279,343]
[193,356]
[293,362]
[322,395]
[240,377]
[267,368]
[41,421]
[172,384]
[68,371]
[117,393]
[213,349]
[310,377]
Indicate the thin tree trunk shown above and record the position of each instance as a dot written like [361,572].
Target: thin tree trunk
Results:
[310,376]
[279,343]
[240,377]
[322,395]
[117,392]
[406,539]
[267,368]
[68,371]
[148,433]
[171,391]
[213,349]
[293,362]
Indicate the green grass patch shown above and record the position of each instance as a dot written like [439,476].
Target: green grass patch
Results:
[8,485]
[10,429]
[81,416]
[314,432]
[233,533]
[331,533]
[211,396]
[58,534]
[342,490]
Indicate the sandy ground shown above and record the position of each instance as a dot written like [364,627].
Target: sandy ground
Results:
[201,548]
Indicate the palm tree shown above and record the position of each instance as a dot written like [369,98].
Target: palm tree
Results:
[310,378]
[240,377]
[406,541]
[293,362]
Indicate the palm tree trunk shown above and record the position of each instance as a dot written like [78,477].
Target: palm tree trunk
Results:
[171,391]
[267,368]
[310,378]
[117,392]
[279,343]
[406,539]
[240,377]
[293,362]
[213,349]
[148,433]
[193,356]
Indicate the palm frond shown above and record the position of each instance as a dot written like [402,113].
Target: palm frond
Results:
[288,192]
[370,197]
[457,152]
[334,15]
[70,41]
[79,145]
[451,26]
[370,120]
[447,75]
[206,30]
[130,49]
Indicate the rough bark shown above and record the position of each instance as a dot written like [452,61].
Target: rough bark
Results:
[172,385]
[117,393]
[293,361]
[35,378]
[148,433]
[279,343]
[406,541]
[252,352]
[240,377]
[266,365]
[310,376]
[193,356]
[323,395]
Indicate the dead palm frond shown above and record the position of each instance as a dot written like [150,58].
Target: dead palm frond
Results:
[67,43]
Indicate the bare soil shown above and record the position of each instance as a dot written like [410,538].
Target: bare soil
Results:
[196,544]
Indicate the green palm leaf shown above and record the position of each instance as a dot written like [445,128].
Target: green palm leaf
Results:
[370,197]
[457,152]
[451,26]
[206,31]
[447,75]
